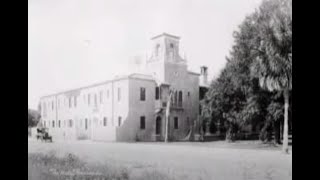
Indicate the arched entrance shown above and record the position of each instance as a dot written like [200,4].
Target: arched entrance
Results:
[158,125]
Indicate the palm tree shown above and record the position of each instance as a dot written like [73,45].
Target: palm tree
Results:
[273,65]
[168,115]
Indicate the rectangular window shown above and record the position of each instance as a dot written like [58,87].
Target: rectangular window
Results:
[95,100]
[142,94]
[53,123]
[70,123]
[180,99]
[175,98]
[59,124]
[142,122]
[86,124]
[105,121]
[176,123]
[75,101]
[119,94]
[158,125]
[188,93]
[44,123]
[157,93]
[101,97]
[119,121]
[69,102]
[44,110]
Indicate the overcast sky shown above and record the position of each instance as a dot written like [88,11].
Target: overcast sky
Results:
[73,43]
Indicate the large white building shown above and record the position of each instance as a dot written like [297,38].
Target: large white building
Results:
[132,107]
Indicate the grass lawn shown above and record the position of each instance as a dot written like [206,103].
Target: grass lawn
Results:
[180,160]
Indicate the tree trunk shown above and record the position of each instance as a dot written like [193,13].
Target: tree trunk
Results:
[285,125]
[208,133]
[277,131]
[167,128]
[167,117]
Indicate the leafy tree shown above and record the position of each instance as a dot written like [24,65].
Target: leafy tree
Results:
[225,102]
[33,117]
[273,62]
[236,97]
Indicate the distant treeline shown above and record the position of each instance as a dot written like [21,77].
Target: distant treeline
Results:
[33,117]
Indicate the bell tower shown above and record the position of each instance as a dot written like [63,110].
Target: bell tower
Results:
[165,52]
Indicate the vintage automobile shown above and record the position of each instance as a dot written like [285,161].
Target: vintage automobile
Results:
[43,135]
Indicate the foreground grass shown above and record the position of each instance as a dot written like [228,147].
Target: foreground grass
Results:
[51,167]
[95,160]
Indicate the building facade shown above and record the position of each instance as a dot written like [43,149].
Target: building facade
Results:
[131,107]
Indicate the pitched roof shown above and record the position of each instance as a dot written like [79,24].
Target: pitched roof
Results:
[166,34]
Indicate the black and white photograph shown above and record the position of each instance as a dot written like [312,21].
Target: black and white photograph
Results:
[160,89]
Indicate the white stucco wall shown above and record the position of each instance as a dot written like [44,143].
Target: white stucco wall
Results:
[168,68]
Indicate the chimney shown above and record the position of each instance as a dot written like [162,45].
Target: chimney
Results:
[204,75]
